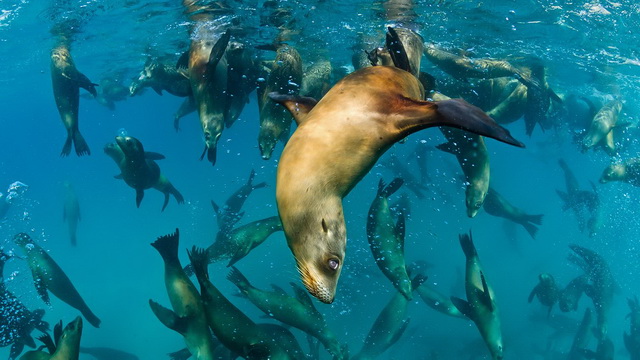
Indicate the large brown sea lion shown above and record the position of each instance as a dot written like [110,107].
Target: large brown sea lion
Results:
[338,140]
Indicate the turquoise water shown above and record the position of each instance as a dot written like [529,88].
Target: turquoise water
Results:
[589,48]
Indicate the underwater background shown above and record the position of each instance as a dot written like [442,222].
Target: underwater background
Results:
[590,49]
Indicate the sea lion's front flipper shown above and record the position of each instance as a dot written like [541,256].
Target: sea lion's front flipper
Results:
[485,294]
[302,295]
[150,155]
[84,82]
[533,293]
[415,115]
[169,318]
[41,287]
[428,81]
[48,342]
[298,106]
[57,332]
[463,306]
[244,249]
[218,50]
[280,291]
[166,201]
[139,196]
[397,50]
[16,349]
[400,230]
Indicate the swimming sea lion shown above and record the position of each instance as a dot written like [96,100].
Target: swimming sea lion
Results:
[582,337]
[354,124]
[188,315]
[438,301]
[71,213]
[496,205]
[570,295]
[546,291]
[68,345]
[140,171]
[242,75]
[67,81]
[49,277]
[162,77]
[231,213]
[389,326]
[584,203]
[285,78]
[601,129]
[298,312]
[481,307]
[386,238]
[627,171]
[632,339]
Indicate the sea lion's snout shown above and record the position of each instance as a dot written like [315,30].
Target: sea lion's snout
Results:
[321,284]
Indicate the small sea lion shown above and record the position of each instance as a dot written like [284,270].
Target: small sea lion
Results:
[140,171]
[583,203]
[496,205]
[627,171]
[111,91]
[49,277]
[71,212]
[571,294]
[242,76]
[601,285]
[601,129]
[438,301]
[480,306]
[386,238]
[231,213]
[546,291]
[316,79]
[162,77]
[353,124]
[67,81]
[188,315]
[632,338]
[285,78]
[581,338]
[389,326]
[298,312]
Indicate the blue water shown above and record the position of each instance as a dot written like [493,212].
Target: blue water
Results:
[589,48]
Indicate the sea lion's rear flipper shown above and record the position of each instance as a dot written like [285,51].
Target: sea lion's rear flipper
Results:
[466,242]
[211,154]
[463,306]
[176,194]
[139,196]
[388,190]
[169,318]
[80,144]
[16,349]
[530,228]
[552,94]
[150,155]
[397,50]
[182,354]
[298,106]
[48,342]
[66,148]
[414,115]
[238,279]
[167,246]
[218,51]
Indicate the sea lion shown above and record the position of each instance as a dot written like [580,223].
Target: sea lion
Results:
[188,315]
[405,48]
[438,301]
[71,212]
[570,295]
[583,203]
[298,312]
[581,339]
[187,107]
[242,76]
[231,213]
[232,327]
[354,124]
[316,79]
[601,285]
[111,91]
[496,205]
[389,326]
[546,291]
[162,77]
[481,307]
[632,338]
[285,78]
[601,129]
[140,171]
[627,171]
[49,277]
[65,346]
[512,107]
[604,351]
[538,100]
[386,238]
[67,81]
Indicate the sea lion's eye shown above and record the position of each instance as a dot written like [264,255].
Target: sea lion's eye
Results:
[324,226]
[334,264]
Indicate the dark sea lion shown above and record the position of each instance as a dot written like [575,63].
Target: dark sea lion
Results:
[107,353]
[162,77]
[230,325]
[581,338]
[601,285]
[111,91]
[583,203]
[546,291]
[188,315]
[316,79]
[571,294]
[242,76]
[632,338]
[298,312]
[231,213]
[389,326]
[285,78]
[140,171]
[354,124]
[67,81]
[480,306]
[438,301]
[386,238]
[49,277]
[496,205]
[627,171]
[601,129]
[71,212]
[68,344]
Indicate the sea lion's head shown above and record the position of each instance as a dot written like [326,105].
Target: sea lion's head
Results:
[131,147]
[496,347]
[474,199]
[267,139]
[145,77]
[320,255]
[613,172]
[212,130]
[114,151]
[546,279]
[71,334]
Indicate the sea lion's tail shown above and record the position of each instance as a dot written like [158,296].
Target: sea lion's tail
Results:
[239,280]
[198,258]
[81,146]
[466,242]
[167,246]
